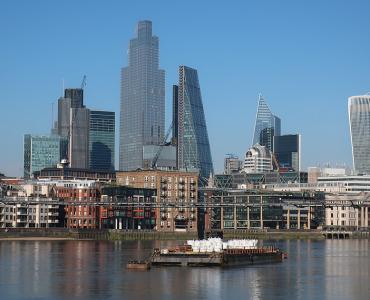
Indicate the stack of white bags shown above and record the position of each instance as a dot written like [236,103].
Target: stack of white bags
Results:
[216,245]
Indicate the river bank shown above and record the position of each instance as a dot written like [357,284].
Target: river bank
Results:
[111,234]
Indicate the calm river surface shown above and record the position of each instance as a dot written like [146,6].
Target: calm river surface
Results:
[330,269]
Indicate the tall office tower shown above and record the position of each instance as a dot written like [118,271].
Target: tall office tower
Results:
[359,122]
[267,125]
[73,124]
[287,151]
[102,140]
[76,96]
[142,99]
[40,151]
[190,132]
[78,146]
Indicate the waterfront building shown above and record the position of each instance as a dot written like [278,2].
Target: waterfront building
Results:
[142,116]
[177,192]
[30,212]
[232,164]
[258,159]
[134,215]
[287,151]
[102,140]
[40,151]
[247,209]
[190,132]
[80,197]
[266,126]
[359,122]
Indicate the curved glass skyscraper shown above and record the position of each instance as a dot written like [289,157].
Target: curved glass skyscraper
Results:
[359,122]
[190,129]
[142,99]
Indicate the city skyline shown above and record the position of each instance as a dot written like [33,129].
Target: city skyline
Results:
[310,96]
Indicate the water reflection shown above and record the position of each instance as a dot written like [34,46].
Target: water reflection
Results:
[332,269]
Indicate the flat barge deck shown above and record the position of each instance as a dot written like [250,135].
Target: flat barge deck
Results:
[224,258]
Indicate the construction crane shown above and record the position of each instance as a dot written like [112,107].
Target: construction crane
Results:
[156,156]
[83,83]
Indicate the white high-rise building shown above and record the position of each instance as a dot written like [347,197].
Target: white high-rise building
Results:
[359,122]
[258,159]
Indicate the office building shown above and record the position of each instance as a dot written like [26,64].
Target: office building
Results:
[267,125]
[102,140]
[73,124]
[232,164]
[142,99]
[258,159]
[40,151]
[190,132]
[359,122]
[287,151]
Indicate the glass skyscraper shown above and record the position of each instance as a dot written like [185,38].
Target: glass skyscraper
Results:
[359,122]
[287,150]
[142,99]
[40,152]
[190,132]
[102,140]
[267,125]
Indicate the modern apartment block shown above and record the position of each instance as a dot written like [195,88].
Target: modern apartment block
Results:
[30,212]
[287,151]
[177,194]
[190,129]
[138,213]
[102,140]
[267,125]
[40,151]
[142,113]
[359,122]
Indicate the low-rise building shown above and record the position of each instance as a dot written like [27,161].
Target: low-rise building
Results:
[30,212]
[247,209]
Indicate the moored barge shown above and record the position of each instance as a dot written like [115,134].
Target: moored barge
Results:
[217,253]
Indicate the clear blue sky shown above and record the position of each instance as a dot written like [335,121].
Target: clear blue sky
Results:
[305,57]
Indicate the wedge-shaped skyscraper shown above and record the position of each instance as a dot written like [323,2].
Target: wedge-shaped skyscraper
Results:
[142,99]
[359,122]
[267,125]
[190,129]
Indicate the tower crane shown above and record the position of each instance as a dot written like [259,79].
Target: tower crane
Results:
[164,143]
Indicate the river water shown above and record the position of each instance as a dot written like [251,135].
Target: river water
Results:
[329,269]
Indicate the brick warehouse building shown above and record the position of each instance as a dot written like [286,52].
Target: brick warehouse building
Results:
[86,193]
[176,192]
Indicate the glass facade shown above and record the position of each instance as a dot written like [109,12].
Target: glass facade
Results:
[359,122]
[102,140]
[40,152]
[267,125]
[193,149]
[287,151]
[142,99]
